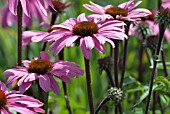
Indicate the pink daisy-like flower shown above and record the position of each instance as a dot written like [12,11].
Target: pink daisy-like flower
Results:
[86,33]
[8,19]
[123,11]
[43,70]
[18,102]
[26,6]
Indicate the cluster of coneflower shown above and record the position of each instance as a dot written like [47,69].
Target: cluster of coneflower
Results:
[111,24]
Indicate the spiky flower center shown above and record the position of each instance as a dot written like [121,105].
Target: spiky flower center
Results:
[114,11]
[85,28]
[3,99]
[40,66]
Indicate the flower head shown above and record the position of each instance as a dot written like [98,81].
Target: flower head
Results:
[85,33]
[8,19]
[18,102]
[40,4]
[43,70]
[123,11]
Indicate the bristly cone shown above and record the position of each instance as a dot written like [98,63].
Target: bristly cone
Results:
[163,17]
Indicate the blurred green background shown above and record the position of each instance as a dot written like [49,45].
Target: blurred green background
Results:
[77,88]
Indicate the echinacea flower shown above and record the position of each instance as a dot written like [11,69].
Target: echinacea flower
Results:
[42,70]
[123,11]
[8,19]
[26,6]
[86,33]
[17,102]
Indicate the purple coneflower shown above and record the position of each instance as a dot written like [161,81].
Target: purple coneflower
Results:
[123,11]
[85,33]
[43,70]
[8,19]
[20,103]
[26,6]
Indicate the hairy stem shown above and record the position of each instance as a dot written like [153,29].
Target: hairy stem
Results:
[19,15]
[88,84]
[161,33]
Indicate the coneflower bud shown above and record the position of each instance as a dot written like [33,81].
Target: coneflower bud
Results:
[115,94]
[105,63]
[163,17]
[151,42]
[143,30]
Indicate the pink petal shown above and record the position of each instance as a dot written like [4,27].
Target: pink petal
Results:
[13,6]
[25,7]
[31,77]
[86,52]
[44,82]
[89,42]
[25,86]
[81,17]
[42,6]
[65,79]
[44,56]
[54,86]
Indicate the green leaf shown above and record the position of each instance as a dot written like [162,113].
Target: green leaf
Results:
[129,80]
[144,95]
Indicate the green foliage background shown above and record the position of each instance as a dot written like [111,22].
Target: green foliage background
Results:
[133,89]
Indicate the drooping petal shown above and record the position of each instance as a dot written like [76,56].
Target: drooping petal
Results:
[54,86]
[89,42]
[13,4]
[44,82]
[25,86]
[25,7]
[42,6]
[86,52]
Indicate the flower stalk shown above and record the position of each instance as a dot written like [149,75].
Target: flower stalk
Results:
[88,84]
[164,63]
[19,15]
[161,34]
[61,57]
[124,55]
